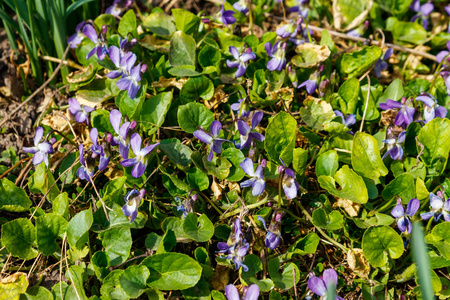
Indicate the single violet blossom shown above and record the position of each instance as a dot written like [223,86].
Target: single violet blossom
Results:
[444,54]
[40,151]
[302,7]
[311,84]
[290,186]
[101,48]
[439,207]
[257,179]
[130,82]
[213,140]
[404,218]
[321,285]
[122,138]
[139,162]
[247,135]
[98,150]
[132,202]
[273,236]
[241,108]
[394,146]
[381,63]
[123,63]
[278,54]
[241,6]
[432,109]
[77,37]
[81,114]
[86,171]
[423,11]
[241,61]
[251,293]
[226,16]
[347,121]
[289,29]
[118,7]
[405,115]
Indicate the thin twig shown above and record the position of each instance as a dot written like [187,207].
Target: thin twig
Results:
[7,117]
[15,166]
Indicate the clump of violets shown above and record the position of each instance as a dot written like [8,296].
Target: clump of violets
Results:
[186,206]
[394,146]
[273,236]
[278,54]
[86,171]
[118,7]
[249,293]
[139,161]
[439,207]
[241,108]
[444,54]
[226,16]
[256,180]
[432,109]
[404,218]
[290,186]
[241,6]
[247,135]
[423,11]
[236,247]
[40,150]
[381,63]
[241,60]
[348,121]
[80,113]
[405,115]
[321,285]
[133,200]
[122,138]
[101,48]
[77,37]
[213,140]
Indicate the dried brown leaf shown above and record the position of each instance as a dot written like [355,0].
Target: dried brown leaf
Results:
[358,262]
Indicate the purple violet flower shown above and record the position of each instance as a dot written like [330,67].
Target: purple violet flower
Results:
[81,114]
[123,63]
[446,76]
[247,135]
[290,186]
[130,80]
[359,31]
[257,179]
[236,246]
[101,48]
[86,171]
[311,84]
[347,121]
[132,202]
[251,293]
[226,16]
[241,6]
[235,237]
[122,138]
[320,285]
[241,61]
[439,207]
[273,236]
[404,219]
[422,12]
[289,29]
[444,53]
[432,109]
[245,113]
[302,7]
[381,63]
[99,151]
[394,146]
[213,140]
[118,7]
[40,151]
[139,162]
[77,37]
[405,115]
[278,54]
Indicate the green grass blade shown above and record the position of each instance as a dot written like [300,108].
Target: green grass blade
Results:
[6,18]
[331,293]
[423,262]
[74,6]
[59,34]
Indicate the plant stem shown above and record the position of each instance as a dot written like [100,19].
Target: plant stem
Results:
[238,210]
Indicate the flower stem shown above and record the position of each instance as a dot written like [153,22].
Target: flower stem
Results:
[238,210]
[387,205]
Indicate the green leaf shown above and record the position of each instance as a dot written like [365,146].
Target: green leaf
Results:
[197,179]
[419,249]
[78,228]
[111,287]
[14,285]
[280,138]
[100,120]
[380,243]
[183,71]
[198,292]
[185,21]
[60,205]
[98,91]
[196,88]
[117,243]
[356,63]
[302,246]
[285,279]
[317,113]
[75,275]
[440,238]
[299,161]
[209,56]
[132,107]
[176,225]
[12,197]
[48,228]
[178,153]
[18,236]
[167,242]
[255,266]
[332,221]
[394,92]
[154,111]
[366,158]
[128,24]
[218,166]
[193,116]
[116,219]
[200,229]
[100,263]
[402,186]
[36,293]
[408,32]
[349,93]
[160,23]
[44,181]
[327,163]
[182,50]
[435,137]
[172,271]
[352,185]
[134,280]
[235,156]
